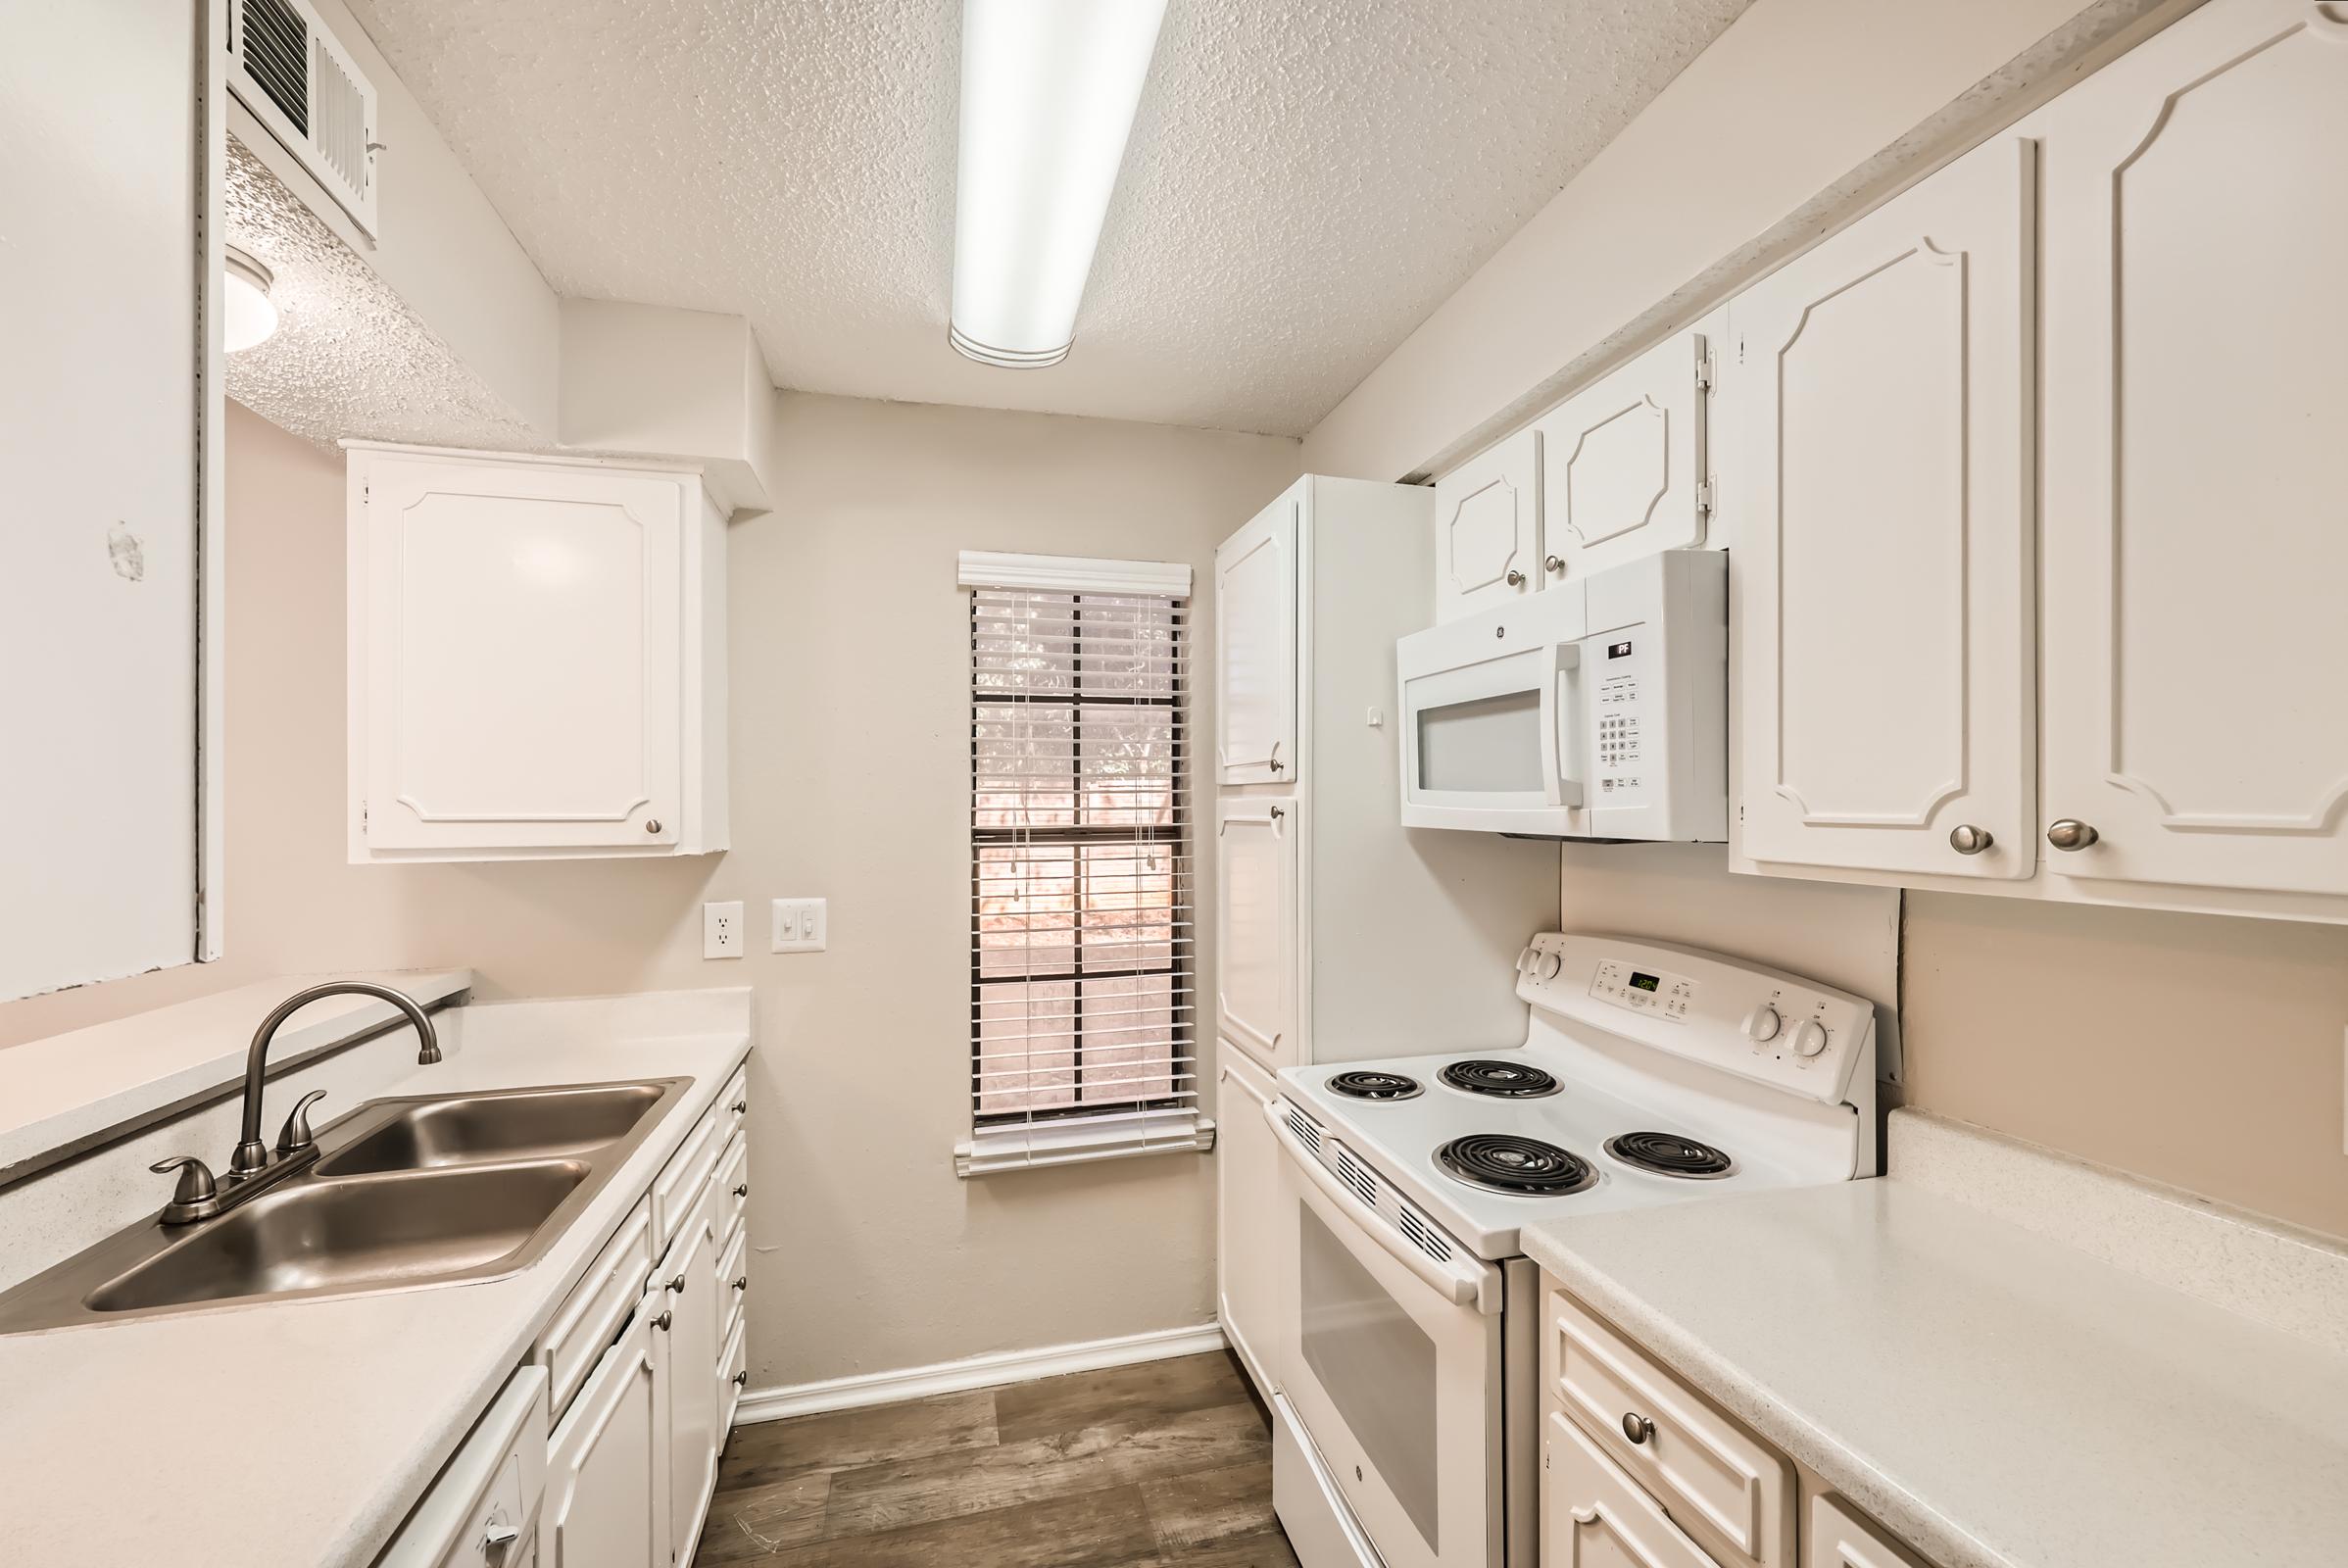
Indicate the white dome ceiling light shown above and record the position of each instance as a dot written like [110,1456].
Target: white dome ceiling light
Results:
[247,316]
[1050,89]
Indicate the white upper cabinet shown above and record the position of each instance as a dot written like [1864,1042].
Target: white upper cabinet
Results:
[2196,334]
[1256,649]
[1623,463]
[536,658]
[1488,528]
[1885,535]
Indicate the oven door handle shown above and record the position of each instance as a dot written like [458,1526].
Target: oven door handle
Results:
[1466,1281]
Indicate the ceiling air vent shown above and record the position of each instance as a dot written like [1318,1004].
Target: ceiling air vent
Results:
[301,83]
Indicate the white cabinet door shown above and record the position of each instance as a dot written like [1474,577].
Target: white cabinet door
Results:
[1255,921]
[1836,1537]
[607,1488]
[1250,1259]
[1623,463]
[1488,527]
[517,652]
[2196,334]
[686,1282]
[1592,1516]
[1255,648]
[1883,397]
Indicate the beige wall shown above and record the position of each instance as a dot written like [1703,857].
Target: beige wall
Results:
[849,671]
[1791,107]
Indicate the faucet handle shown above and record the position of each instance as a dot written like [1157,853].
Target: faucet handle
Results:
[295,1135]
[196,1196]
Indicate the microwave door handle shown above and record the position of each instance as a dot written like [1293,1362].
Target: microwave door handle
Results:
[1557,721]
[1466,1281]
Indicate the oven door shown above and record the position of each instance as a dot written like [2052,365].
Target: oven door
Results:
[1393,1365]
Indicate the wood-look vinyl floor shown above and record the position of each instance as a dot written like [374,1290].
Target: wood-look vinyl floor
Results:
[1168,1464]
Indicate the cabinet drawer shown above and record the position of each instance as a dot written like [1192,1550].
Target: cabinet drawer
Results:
[1719,1480]
[1840,1537]
[733,1282]
[733,1184]
[689,1170]
[597,1307]
[478,1512]
[1593,1516]
[733,1106]
[733,1372]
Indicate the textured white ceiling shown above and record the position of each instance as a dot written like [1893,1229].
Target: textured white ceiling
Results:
[348,358]
[1308,180]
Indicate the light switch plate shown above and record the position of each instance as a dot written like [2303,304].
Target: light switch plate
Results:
[801,925]
[721,930]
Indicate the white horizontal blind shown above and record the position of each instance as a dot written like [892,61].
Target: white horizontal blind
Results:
[1082,943]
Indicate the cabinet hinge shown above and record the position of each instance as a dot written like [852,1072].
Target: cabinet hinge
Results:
[1703,374]
[1703,496]
[362,817]
[1740,810]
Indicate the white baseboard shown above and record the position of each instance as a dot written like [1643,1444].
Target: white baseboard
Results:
[974,1372]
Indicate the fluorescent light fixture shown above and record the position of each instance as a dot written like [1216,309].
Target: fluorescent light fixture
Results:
[247,316]
[1049,93]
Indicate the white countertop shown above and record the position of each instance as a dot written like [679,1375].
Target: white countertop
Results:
[2000,1398]
[300,1433]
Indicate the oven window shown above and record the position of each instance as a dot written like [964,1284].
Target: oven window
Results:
[1488,745]
[1377,1367]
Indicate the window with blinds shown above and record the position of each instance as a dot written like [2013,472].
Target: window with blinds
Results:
[1081,1003]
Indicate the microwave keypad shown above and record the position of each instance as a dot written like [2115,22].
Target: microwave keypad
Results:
[1620,752]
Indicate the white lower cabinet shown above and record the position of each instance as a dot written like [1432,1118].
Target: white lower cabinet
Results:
[1249,1171]
[608,1482]
[1639,1470]
[638,1373]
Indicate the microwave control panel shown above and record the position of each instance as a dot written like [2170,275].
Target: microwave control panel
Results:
[1614,673]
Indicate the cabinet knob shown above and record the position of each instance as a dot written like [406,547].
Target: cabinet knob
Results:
[742,1379]
[2070,833]
[653,826]
[663,1320]
[742,1283]
[739,1107]
[1637,1428]
[1553,563]
[742,1191]
[1966,839]
[677,1285]
[1516,578]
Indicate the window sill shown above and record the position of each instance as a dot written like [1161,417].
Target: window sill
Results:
[994,1150]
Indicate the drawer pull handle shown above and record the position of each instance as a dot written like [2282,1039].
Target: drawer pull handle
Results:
[742,1283]
[742,1191]
[742,1379]
[1637,1428]
[663,1320]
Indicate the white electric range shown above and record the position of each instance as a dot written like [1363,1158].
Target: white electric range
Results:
[1649,1074]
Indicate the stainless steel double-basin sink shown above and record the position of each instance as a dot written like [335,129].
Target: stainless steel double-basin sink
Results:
[422,1190]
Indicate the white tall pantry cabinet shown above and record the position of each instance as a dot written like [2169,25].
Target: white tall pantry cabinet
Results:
[1339,936]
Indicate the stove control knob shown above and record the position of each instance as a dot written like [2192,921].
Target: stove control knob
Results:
[1761,1025]
[1524,961]
[1810,1039]
[1546,966]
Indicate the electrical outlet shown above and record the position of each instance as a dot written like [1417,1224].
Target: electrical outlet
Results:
[801,925]
[721,930]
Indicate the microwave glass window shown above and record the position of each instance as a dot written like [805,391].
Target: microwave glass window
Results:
[1377,1366]
[1481,746]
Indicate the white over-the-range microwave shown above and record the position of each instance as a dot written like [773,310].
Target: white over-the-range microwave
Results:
[1596,709]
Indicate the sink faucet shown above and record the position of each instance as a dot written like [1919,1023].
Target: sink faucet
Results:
[251,1169]
[252,1154]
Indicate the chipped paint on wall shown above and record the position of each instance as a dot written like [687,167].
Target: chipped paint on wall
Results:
[128,556]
